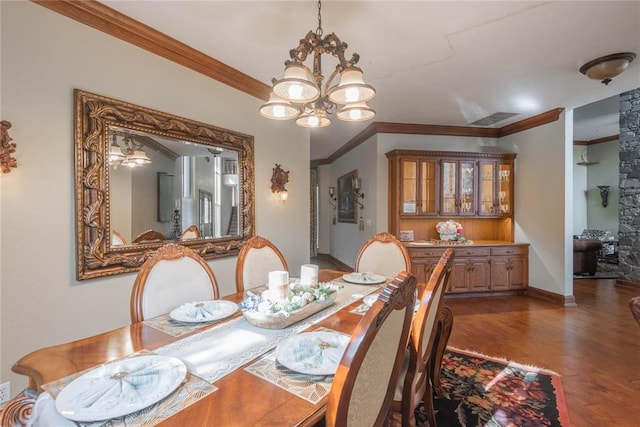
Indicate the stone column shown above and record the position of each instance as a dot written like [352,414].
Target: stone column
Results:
[629,213]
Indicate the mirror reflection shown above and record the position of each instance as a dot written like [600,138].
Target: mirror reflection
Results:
[166,189]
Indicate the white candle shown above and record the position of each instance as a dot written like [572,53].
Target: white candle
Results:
[279,284]
[309,274]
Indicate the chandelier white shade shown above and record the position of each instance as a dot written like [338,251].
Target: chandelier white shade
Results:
[356,112]
[129,154]
[277,108]
[301,95]
[297,85]
[351,88]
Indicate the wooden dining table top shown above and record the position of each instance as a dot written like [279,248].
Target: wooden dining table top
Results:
[242,399]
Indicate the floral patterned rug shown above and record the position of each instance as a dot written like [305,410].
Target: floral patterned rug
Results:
[484,391]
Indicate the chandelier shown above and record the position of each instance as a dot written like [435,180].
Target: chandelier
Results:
[301,95]
[129,154]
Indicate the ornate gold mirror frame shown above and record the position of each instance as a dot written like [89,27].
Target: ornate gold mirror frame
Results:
[95,117]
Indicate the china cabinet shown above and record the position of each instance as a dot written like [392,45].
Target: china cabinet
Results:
[475,190]
[495,191]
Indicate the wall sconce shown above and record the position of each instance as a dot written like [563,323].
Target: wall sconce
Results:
[604,194]
[279,178]
[7,148]
[357,196]
[332,202]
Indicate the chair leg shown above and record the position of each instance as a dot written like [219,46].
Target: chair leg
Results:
[428,405]
[445,323]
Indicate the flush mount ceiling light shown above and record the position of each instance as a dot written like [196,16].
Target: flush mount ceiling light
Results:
[607,67]
[301,95]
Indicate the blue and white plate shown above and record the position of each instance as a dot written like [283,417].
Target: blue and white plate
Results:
[313,353]
[120,388]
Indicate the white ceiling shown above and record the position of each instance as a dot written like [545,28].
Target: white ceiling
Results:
[431,62]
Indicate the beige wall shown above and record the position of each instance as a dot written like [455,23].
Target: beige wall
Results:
[44,57]
[544,213]
[544,201]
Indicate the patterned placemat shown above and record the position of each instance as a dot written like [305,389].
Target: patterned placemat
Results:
[166,324]
[191,390]
[361,309]
[311,388]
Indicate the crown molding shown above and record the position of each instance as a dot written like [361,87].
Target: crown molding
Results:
[119,25]
[596,141]
[531,122]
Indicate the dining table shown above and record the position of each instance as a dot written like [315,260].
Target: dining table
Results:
[233,377]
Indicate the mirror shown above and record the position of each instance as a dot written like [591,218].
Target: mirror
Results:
[145,178]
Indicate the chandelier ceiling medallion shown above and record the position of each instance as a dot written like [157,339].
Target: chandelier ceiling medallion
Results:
[301,95]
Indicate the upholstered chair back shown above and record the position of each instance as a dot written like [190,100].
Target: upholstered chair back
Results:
[256,259]
[362,388]
[383,254]
[171,277]
[414,383]
[191,232]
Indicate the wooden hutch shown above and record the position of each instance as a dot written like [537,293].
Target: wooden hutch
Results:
[474,189]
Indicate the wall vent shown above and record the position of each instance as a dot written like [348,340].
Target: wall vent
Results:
[493,119]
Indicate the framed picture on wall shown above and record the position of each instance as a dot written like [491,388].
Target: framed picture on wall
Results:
[347,209]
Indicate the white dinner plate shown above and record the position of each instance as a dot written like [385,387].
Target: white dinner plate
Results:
[204,311]
[313,353]
[364,278]
[120,388]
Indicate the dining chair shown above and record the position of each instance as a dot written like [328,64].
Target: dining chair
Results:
[257,257]
[634,305]
[191,232]
[383,254]
[362,387]
[117,239]
[415,381]
[172,276]
[149,236]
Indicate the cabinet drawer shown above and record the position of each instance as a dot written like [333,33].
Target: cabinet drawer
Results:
[425,252]
[510,250]
[471,252]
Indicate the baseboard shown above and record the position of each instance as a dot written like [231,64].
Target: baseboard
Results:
[552,297]
[623,283]
[336,261]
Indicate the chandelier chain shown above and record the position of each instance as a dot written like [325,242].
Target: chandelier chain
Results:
[319,29]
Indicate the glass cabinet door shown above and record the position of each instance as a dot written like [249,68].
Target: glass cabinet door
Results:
[428,175]
[409,183]
[466,197]
[449,187]
[487,189]
[505,180]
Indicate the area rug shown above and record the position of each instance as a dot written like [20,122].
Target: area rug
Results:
[484,391]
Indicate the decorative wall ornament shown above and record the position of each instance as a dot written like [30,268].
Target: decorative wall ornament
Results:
[7,148]
[332,202]
[604,194]
[278,180]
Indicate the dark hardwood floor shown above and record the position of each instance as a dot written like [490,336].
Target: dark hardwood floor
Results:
[595,347]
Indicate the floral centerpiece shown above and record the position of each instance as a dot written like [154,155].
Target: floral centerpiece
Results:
[450,230]
[267,311]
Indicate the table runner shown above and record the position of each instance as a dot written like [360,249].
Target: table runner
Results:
[218,351]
